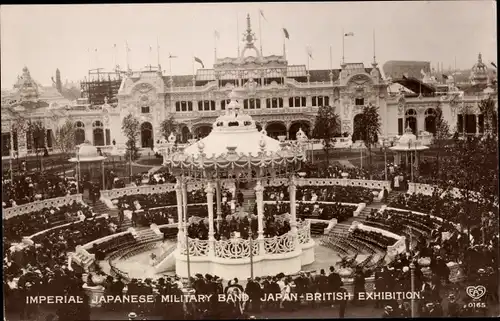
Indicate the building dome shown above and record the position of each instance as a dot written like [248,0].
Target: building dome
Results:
[479,73]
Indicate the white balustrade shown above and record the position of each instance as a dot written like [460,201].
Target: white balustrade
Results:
[280,244]
[196,247]
[40,205]
[304,232]
[235,249]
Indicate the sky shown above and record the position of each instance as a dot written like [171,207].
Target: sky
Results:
[76,38]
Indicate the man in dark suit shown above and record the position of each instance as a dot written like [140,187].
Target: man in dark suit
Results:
[254,292]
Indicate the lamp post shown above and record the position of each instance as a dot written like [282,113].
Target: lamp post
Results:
[185,207]
[385,157]
[78,169]
[251,252]
[412,275]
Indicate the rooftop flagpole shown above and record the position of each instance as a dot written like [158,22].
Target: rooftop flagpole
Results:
[260,33]
[158,53]
[238,32]
[343,36]
[331,66]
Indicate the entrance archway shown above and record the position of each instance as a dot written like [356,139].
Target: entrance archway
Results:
[276,129]
[185,134]
[5,144]
[146,135]
[304,125]
[356,135]
[203,131]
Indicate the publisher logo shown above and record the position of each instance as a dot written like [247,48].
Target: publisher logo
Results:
[476,292]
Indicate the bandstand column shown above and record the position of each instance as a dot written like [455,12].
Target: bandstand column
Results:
[210,204]
[218,198]
[178,193]
[293,210]
[259,195]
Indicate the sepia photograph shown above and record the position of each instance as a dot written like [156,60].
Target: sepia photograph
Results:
[260,160]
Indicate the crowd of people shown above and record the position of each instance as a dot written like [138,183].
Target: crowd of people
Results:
[42,268]
[345,194]
[29,187]
[450,209]
[317,210]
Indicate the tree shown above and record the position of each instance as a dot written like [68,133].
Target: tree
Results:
[326,126]
[471,167]
[368,128]
[36,130]
[64,139]
[168,126]
[442,135]
[490,114]
[130,128]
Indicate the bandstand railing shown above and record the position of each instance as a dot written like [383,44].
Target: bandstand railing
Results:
[240,248]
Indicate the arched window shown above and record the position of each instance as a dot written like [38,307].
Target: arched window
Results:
[79,133]
[274,102]
[411,120]
[98,133]
[430,120]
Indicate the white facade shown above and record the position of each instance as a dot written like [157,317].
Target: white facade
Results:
[282,98]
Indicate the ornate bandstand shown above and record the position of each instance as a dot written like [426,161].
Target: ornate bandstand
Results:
[236,149]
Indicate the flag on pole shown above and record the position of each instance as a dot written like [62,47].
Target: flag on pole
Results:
[198,60]
[262,14]
[287,35]
[171,56]
[309,52]
[216,34]
[349,34]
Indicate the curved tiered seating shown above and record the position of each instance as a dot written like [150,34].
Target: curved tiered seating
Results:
[318,228]
[113,244]
[30,223]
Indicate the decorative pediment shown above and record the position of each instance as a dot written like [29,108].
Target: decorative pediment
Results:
[143,88]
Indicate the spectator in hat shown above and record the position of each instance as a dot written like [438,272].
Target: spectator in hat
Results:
[388,312]
[453,310]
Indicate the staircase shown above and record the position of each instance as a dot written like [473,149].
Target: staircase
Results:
[99,207]
[394,195]
[147,235]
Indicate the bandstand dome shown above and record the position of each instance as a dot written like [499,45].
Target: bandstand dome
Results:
[87,153]
[235,138]
[234,130]
[408,142]
[407,137]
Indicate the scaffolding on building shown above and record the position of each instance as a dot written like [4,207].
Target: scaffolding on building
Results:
[101,87]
